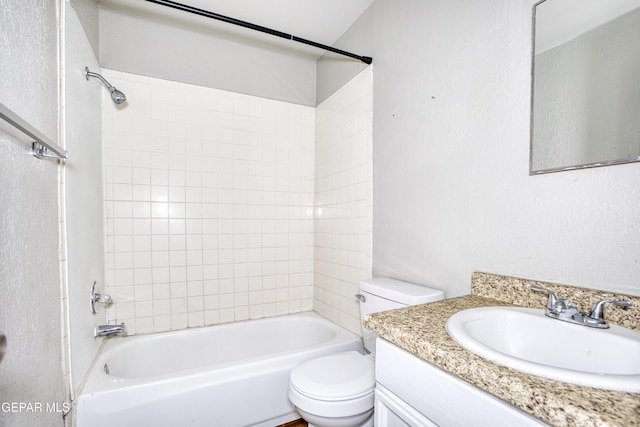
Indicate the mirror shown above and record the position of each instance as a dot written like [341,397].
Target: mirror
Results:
[586,84]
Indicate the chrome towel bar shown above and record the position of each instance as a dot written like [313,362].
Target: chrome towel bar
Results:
[42,146]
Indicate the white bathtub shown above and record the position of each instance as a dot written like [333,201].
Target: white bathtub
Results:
[227,375]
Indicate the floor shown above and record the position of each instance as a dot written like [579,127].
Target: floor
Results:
[296,423]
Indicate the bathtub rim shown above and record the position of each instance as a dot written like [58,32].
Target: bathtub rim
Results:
[97,381]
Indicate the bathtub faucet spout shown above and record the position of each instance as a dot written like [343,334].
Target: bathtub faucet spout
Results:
[108,330]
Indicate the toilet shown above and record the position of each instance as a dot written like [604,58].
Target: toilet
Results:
[337,390]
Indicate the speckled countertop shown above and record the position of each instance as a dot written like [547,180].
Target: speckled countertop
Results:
[421,330]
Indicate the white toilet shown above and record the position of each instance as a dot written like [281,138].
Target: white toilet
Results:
[337,390]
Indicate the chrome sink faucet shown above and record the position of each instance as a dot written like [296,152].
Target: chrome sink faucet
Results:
[565,310]
[108,330]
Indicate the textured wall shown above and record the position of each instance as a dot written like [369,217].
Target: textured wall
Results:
[209,205]
[30,314]
[452,192]
[29,62]
[30,303]
[343,200]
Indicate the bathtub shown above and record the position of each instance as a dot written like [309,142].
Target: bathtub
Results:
[228,375]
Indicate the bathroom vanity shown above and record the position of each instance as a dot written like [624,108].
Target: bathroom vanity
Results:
[402,399]
[426,378]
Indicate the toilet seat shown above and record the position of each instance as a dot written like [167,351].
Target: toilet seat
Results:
[338,389]
[335,377]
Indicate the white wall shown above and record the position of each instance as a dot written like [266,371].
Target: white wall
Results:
[29,62]
[343,222]
[83,198]
[30,304]
[87,13]
[452,193]
[30,315]
[206,55]
[209,205]
[334,71]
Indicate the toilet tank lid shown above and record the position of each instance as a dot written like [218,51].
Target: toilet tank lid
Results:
[401,292]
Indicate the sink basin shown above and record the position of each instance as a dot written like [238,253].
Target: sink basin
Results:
[526,340]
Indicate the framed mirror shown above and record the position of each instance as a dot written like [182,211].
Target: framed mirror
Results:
[585,108]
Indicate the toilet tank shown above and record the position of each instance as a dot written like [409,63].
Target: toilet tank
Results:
[381,294]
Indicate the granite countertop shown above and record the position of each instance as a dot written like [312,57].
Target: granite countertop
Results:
[421,330]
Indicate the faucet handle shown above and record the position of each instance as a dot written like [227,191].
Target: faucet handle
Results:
[96,297]
[553,299]
[596,316]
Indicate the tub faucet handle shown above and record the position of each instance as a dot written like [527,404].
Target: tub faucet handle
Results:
[96,297]
[361,298]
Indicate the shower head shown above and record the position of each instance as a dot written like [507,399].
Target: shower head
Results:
[116,96]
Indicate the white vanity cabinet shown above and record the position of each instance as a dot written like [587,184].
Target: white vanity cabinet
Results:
[413,392]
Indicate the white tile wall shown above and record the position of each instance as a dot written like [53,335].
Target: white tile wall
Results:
[209,205]
[343,200]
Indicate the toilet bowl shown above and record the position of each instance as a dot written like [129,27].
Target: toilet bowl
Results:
[335,390]
[338,390]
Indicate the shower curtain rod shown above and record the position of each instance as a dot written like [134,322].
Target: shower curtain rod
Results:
[206,13]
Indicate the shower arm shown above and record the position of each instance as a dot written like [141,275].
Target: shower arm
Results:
[102,79]
[116,96]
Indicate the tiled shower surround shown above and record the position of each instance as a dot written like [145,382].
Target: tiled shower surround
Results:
[343,222]
[210,205]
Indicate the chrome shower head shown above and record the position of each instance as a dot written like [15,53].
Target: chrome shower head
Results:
[116,96]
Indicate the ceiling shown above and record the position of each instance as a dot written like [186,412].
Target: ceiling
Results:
[322,21]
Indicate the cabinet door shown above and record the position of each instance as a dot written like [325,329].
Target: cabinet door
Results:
[391,411]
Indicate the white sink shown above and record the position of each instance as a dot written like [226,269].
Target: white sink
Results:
[526,340]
